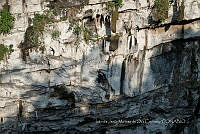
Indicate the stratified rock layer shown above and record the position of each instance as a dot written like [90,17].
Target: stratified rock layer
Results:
[131,75]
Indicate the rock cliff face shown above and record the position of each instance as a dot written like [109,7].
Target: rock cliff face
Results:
[101,68]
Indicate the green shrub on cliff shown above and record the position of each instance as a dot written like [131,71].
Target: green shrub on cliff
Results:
[115,3]
[6,21]
[5,50]
[118,3]
[87,33]
[55,34]
[56,11]
[161,9]
[39,23]
[77,30]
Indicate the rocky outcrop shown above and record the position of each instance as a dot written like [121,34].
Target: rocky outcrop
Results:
[98,72]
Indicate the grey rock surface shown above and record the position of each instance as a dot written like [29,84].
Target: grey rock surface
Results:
[140,78]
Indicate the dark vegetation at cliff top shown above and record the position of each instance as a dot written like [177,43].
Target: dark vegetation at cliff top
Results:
[161,9]
[6,21]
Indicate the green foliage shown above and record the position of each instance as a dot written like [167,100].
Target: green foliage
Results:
[11,48]
[34,38]
[42,48]
[55,35]
[6,21]
[115,3]
[39,23]
[63,18]
[118,3]
[77,29]
[56,11]
[161,9]
[5,50]
[96,36]
[87,34]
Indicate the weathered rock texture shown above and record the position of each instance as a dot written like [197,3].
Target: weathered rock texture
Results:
[130,76]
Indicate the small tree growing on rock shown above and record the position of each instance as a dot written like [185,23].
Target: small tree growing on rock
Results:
[6,21]
[160,12]
[4,50]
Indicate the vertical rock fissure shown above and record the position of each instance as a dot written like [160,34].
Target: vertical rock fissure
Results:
[82,68]
[130,43]
[107,26]
[20,108]
[123,70]
[103,45]
[142,62]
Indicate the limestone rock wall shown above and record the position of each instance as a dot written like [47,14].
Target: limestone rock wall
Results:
[129,69]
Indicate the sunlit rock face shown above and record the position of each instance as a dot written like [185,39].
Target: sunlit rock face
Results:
[104,73]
